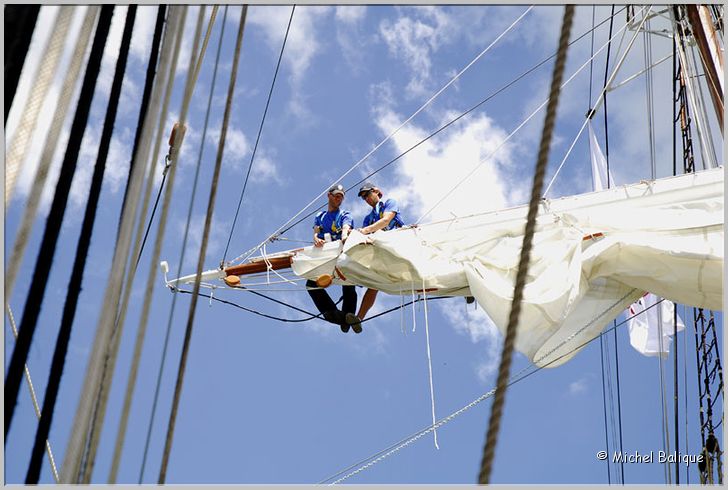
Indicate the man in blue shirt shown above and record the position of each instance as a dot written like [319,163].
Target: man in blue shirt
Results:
[331,225]
[384,216]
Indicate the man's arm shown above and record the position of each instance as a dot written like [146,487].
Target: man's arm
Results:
[317,242]
[380,224]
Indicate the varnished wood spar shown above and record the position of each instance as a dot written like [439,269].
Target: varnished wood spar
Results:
[276,263]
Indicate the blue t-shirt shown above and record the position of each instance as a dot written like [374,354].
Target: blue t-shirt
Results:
[377,213]
[332,222]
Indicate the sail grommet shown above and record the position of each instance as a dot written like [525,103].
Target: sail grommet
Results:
[232,281]
[324,281]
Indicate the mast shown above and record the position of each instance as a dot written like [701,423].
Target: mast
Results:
[706,38]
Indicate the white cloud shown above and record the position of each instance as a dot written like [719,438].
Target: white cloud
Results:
[265,170]
[237,147]
[350,14]
[476,324]
[578,387]
[435,175]
[414,40]
[141,39]
[353,43]
[302,45]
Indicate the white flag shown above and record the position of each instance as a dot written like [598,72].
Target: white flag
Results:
[644,329]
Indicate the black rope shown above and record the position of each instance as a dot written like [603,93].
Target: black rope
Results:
[19,26]
[44,262]
[79,264]
[148,84]
[260,130]
[453,121]
[154,210]
[601,340]
[310,316]
[609,184]
[604,404]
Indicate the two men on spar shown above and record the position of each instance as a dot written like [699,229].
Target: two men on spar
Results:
[337,224]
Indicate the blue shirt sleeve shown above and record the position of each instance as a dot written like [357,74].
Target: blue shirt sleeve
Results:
[390,206]
[316,221]
[346,219]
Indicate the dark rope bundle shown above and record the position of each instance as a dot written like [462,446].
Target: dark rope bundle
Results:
[43,264]
[79,264]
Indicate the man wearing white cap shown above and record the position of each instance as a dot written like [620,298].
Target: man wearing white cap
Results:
[331,225]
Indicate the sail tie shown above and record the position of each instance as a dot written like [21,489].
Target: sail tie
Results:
[429,363]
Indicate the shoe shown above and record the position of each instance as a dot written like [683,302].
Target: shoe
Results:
[354,321]
[345,327]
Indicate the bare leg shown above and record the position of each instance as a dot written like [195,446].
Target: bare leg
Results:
[370,296]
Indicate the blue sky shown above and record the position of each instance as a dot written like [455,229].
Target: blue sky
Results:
[270,402]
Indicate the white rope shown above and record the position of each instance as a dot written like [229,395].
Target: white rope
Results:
[505,140]
[518,128]
[195,60]
[414,313]
[33,395]
[269,269]
[422,107]
[118,326]
[41,84]
[516,377]
[429,363]
[82,421]
[599,101]
[54,133]
[165,81]
[401,314]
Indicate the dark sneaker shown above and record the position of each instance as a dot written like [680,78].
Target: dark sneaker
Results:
[345,327]
[354,321]
[334,316]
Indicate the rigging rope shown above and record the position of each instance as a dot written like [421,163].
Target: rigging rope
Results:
[33,397]
[79,262]
[148,84]
[451,122]
[541,165]
[109,310]
[54,133]
[505,140]
[311,316]
[161,21]
[152,268]
[44,262]
[15,156]
[193,72]
[203,248]
[599,99]
[260,130]
[387,138]
[601,339]
[119,323]
[605,87]
[19,26]
[520,376]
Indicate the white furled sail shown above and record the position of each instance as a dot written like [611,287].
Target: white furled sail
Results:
[593,255]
